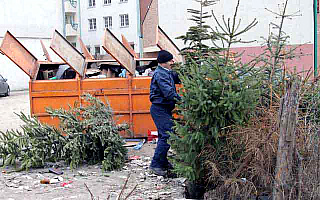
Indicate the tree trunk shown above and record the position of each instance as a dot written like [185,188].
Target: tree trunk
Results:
[284,185]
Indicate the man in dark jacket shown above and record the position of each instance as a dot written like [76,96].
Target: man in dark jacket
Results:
[163,96]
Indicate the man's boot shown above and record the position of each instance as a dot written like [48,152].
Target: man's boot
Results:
[158,171]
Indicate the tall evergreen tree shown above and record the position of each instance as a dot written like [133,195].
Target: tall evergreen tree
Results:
[217,94]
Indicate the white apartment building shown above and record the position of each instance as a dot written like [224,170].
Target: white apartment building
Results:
[120,16]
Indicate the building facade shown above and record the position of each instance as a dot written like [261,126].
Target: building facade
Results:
[120,16]
[137,20]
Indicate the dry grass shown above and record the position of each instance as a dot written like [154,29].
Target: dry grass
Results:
[244,167]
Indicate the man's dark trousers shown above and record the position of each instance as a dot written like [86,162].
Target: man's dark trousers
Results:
[162,117]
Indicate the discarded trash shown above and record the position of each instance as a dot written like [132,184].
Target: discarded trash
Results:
[134,157]
[138,146]
[66,184]
[152,136]
[243,180]
[55,171]
[56,179]
[45,181]
[82,173]
[131,142]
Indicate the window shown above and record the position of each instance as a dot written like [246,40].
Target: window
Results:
[92,24]
[74,44]
[92,3]
[123,1]
[124,20]
[106,2]
[108,22]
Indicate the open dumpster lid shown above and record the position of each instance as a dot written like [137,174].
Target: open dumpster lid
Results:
[18,54]
[165,43]
[118,51]
[68,53]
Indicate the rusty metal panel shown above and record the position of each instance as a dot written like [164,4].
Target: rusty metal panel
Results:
[18,54]
[142,123]
[127,45]
[54,85]
[165,43]
[85,51]
[41,103]
[118,51]
[45,52]
[141,102]
[68,53]
[110,83]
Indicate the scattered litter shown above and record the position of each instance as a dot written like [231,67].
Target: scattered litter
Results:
[45,181]
[56,179]
[139,145]
[53,180]
[82,173]
[131,142]
[243,180]
[66,184]
[55,171]
[134,157]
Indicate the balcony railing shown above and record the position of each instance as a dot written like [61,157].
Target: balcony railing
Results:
[70,6]
[73,3]
[74,26]
[72,29]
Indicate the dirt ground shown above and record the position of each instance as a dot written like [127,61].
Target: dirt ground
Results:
[86,182]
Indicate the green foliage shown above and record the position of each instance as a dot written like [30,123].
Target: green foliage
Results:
[218,93]
[88,133]
[197,35]
[213,100]
[92,134]
[36,144]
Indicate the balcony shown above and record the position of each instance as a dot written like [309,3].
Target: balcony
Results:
[70,6]
[72,29]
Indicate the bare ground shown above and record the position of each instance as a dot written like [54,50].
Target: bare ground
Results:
[86,182]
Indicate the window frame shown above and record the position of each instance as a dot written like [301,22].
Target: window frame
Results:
[108,2]
[105,19]
[91,3]
[126,21]
[94,25]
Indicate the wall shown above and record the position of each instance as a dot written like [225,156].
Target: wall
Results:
[173,14]
[29,21]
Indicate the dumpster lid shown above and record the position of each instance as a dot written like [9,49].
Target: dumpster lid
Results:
[118,51]
[128,47]
[68,53]
[18,54]
[85,50]
[165,43]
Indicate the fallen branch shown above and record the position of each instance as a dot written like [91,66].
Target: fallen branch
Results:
[131,192]
[92,197]
[124,186]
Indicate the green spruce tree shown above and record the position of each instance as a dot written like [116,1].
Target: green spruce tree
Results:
[218,92]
